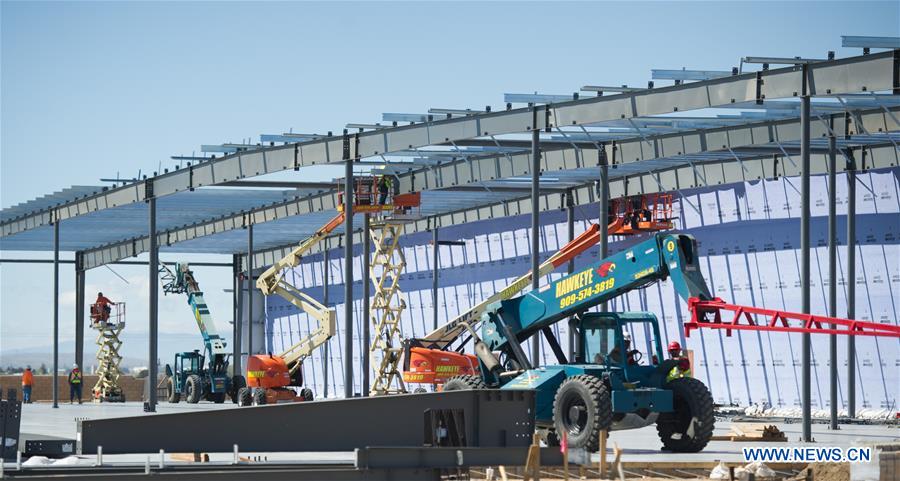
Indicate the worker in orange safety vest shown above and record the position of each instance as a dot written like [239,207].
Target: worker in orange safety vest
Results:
[27,384]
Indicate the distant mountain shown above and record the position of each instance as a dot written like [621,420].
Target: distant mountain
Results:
[132,349]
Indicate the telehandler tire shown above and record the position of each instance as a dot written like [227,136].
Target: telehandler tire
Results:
[462,383]
[582,408]
[244,396]
[306,394]
[172,395]
[193,389]
[237,382]
[259,397]
[689,428]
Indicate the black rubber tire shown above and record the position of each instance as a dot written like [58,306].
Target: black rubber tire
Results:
[259,397]
[172,395]
[244,396]
[237,382]
[217,398]
[193,389]
[693,412]
[583,408]
[462,383]
[306,394]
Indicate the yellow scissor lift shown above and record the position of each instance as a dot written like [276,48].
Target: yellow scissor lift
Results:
[109,325]
[373,195]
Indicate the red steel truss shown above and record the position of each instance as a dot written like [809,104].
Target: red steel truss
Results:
[709,314]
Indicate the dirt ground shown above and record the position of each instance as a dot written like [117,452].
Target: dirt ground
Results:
[826,472]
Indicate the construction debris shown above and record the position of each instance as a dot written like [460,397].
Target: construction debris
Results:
[753,432]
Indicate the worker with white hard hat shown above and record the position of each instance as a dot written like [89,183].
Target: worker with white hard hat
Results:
[75,384]
[616,354]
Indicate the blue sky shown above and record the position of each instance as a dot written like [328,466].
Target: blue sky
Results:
[90,89]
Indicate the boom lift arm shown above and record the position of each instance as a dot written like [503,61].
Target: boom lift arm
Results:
[182,281]
[658,258]
[272,282]
[444,336]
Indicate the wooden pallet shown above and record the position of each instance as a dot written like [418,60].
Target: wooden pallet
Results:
[746,432]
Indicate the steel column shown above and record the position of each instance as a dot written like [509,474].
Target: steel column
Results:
[79,309]
[851,282]
[251,287]
[535,225]
[153,272]
[806,400]
[236,315]
[239,320]
[348,278]
[570,268]
[55,313]
[604,205]
[832,274]
[326,279]
[434,275]
[367,319]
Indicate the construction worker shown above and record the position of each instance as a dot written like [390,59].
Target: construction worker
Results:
[384,186]
[104,307]
[75,384]
[683,368]
[27,384]
[616,355]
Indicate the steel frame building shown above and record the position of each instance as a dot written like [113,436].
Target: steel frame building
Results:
[811,117]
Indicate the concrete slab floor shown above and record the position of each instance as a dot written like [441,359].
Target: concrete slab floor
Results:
[40,420]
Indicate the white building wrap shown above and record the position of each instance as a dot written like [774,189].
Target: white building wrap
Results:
[748,235]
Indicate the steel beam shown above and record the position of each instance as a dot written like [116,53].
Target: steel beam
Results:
[675,177]
[689,145]
[856,41]
[326,278]
[251,289]
[832,275]
[119,263]
[805,249]
[348,271]
[570,267]
[56,313]
[236,325]
[153,275]
[681,75]
[486,419]
[535,226]
[367,318]
[874,72]
[239,319]
[603,218]
[851,283]
[79,310]
[436,246]
[279,184]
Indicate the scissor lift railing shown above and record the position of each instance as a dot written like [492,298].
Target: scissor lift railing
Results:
[109,326]
[638,214]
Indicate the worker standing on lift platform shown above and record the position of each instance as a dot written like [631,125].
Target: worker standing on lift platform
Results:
[384,187]
[104,307]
